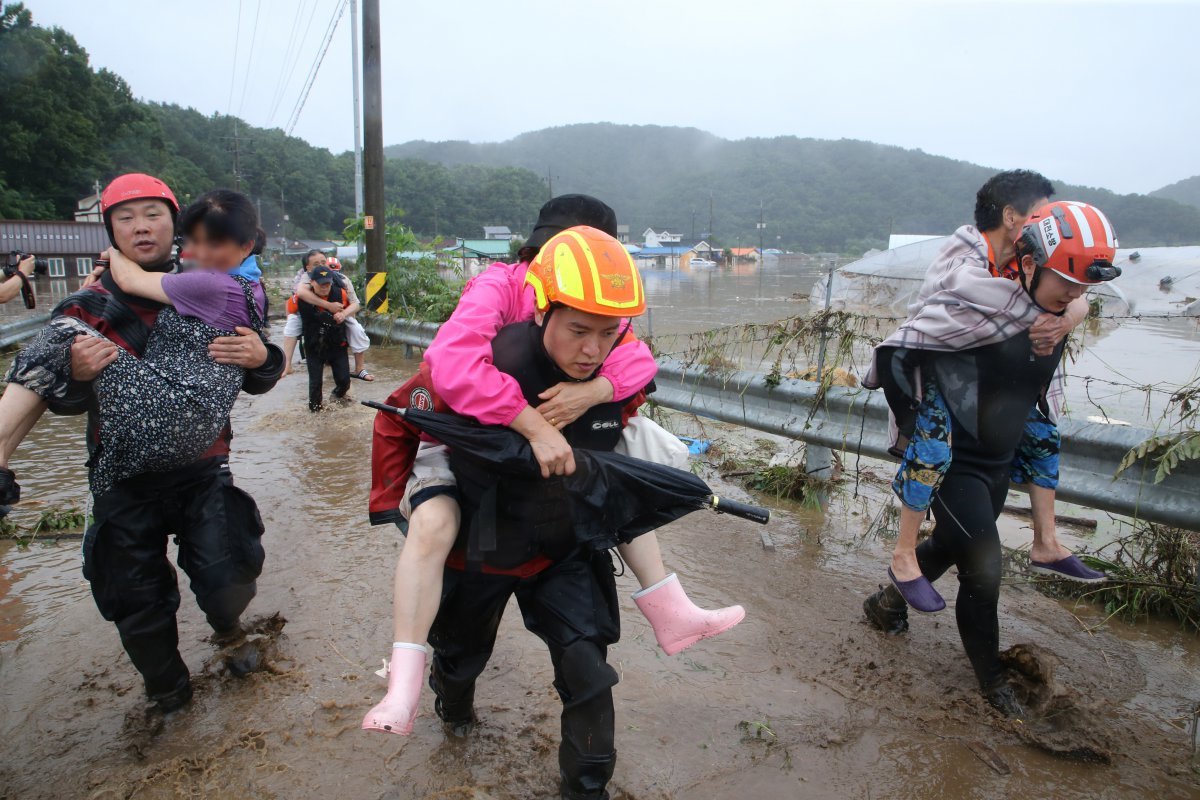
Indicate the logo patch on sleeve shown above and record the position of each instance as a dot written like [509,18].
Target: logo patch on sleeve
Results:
[421,399]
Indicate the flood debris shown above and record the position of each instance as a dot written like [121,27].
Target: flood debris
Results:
[1060,721]
[256,649]
[985,753]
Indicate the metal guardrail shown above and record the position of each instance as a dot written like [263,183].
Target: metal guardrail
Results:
[19,330]
[411,333]
[856,421]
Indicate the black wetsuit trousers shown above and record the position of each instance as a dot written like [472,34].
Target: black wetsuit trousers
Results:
[965,509]
[572,607]
[338,359]
[218,529]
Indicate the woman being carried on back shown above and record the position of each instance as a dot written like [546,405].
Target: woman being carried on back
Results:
[460,370]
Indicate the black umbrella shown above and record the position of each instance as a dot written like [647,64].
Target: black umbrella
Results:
[612,495]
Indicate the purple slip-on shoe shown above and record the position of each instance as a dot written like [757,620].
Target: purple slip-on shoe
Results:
[919,593]
[1069,568]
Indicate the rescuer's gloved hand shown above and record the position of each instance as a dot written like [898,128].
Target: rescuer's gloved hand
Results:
[10,490]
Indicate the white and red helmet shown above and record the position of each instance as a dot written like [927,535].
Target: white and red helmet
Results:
[1073,239]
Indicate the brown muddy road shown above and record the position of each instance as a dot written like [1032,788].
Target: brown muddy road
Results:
[801,700]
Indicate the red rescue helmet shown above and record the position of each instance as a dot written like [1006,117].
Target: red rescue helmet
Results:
[134,186]
[1073,239]
[333,263]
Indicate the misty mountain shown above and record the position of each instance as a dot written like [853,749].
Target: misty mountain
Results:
[816,194]
[1184,191]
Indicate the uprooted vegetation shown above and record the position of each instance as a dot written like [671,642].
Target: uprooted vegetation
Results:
[52,522]
[1153,571]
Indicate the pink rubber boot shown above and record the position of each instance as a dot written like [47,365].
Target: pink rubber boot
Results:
[395,714]
[678,622]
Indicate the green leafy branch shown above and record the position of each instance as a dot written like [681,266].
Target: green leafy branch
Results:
[1165,451]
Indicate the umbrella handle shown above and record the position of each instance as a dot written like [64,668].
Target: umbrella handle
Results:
[382,407]
[744,510]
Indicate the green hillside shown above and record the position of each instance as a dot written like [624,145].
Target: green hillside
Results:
[66,126]
[817,194]
[1184,191]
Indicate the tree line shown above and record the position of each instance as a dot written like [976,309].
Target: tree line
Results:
[65,126]
[815,195]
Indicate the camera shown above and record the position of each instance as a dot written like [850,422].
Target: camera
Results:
[15,257]
[1099,271]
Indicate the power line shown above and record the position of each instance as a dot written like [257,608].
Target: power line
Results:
[316,67]
[291,69]
[250,58]
[233,71]
[287,56]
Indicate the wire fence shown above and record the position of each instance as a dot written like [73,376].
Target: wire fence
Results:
[836,347]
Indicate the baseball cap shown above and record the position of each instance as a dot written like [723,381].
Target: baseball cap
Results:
[568,211]
[321,274]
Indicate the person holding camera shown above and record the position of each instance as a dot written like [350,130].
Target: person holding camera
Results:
[216,523]
[17,275]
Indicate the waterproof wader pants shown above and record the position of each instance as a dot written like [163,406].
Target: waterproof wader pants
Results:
[965,536]
[218,530]
[338,359]
[572,607]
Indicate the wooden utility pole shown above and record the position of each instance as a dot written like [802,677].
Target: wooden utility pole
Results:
[373,202]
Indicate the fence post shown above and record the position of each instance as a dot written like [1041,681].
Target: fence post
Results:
[818,461]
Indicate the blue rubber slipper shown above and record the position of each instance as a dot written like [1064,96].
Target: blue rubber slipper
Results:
[919,593]
[1070,569]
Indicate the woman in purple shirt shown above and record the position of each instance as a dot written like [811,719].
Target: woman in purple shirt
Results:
[175,400]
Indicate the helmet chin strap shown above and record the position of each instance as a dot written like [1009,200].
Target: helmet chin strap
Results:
[1030,286]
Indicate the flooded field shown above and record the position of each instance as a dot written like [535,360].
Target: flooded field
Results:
[801,700]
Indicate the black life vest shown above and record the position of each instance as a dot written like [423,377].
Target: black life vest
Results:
[507,522]
[321,332]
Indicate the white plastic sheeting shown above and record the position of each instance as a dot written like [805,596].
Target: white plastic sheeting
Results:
[1156,280]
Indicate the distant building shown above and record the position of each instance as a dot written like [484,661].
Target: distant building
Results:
[623,234]
[295,248]
[661,239]
[88,209]
[497,232]
[745,254]
[70,248]
[475,254]
[659,257]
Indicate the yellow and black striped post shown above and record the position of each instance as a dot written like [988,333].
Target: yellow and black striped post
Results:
[377,297]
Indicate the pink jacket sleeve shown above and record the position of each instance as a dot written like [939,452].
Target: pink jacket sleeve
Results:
[460,358]
[629,368]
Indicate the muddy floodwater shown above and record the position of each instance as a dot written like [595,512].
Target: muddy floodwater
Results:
[801,700]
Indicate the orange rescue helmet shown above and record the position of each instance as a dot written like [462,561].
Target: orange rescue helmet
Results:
[1073,239]
[588,270]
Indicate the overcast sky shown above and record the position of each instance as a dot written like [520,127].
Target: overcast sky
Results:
[1096,93]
